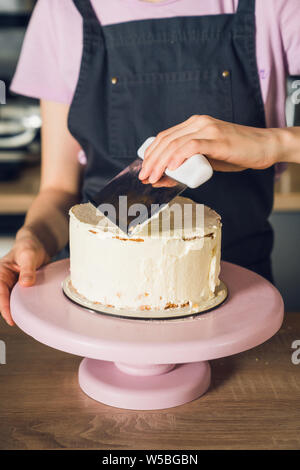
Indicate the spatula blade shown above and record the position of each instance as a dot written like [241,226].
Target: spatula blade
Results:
[128,202]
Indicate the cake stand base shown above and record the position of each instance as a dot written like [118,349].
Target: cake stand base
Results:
[148,365]
[150,387]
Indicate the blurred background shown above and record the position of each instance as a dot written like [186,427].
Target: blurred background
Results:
[20,161]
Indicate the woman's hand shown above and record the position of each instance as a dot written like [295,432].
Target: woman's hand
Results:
[46,228]
[27,255]
[228,147]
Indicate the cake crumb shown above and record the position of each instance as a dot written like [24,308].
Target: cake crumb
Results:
[141,296]
[129,239]
[169,305]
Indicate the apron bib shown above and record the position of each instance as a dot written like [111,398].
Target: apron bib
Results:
[140,77]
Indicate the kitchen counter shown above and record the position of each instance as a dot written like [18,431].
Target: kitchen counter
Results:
[287,190]
[252,403]
[17,195]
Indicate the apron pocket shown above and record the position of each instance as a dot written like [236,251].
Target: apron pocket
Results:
[144,104]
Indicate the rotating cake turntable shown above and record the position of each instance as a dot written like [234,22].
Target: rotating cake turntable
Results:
[142,364]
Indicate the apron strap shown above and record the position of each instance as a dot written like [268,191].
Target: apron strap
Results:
[88,14]
[245,7]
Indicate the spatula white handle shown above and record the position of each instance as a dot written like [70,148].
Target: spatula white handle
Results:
[195,171]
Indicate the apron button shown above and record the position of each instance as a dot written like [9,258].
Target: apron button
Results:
[226,73]
[114,80]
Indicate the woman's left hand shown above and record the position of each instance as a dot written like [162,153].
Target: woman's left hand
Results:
[228,147]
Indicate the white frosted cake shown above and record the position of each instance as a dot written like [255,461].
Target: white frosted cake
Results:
[162,266]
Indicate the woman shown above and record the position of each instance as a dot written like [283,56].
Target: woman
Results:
[147,66]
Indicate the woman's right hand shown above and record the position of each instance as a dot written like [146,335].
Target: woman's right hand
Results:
[20,264]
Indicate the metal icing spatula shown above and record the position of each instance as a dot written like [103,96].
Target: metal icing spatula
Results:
[129,203]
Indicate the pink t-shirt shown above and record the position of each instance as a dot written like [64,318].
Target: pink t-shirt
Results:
[49,64]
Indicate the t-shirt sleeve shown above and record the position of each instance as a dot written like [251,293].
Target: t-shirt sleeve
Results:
[39,72]
[290,31]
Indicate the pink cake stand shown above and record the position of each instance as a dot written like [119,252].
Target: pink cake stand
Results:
[142,364]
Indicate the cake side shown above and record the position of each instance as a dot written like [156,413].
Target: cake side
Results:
[161,270]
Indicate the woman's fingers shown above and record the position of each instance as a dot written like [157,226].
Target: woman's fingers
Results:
[231,147]
[8,278]
[160,155]
[5,304]
[156,164]
[24,266]
[164,182]
[177,152]
[161,138]
[192,124]
[157,156]
[21,262]
[27,260]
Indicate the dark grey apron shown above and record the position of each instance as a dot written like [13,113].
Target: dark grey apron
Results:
[140,77]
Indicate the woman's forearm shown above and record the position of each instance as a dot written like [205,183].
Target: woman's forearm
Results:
[228,146]
[47,219]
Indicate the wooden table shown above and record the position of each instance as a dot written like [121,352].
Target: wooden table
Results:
[253,403]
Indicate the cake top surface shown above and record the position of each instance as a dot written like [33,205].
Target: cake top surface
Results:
[182,219]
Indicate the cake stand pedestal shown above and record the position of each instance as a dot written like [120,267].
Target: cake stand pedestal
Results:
[145,364]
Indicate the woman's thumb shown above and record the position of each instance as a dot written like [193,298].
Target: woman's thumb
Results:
[27,263]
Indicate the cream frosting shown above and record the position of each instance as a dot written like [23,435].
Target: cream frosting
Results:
[164,264]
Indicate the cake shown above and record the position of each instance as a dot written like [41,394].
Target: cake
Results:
[163,266]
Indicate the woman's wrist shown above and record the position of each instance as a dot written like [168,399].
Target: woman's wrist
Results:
[288,145]
[39,235]
[25,232]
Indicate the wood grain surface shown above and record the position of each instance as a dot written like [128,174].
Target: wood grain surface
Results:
[253,403]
